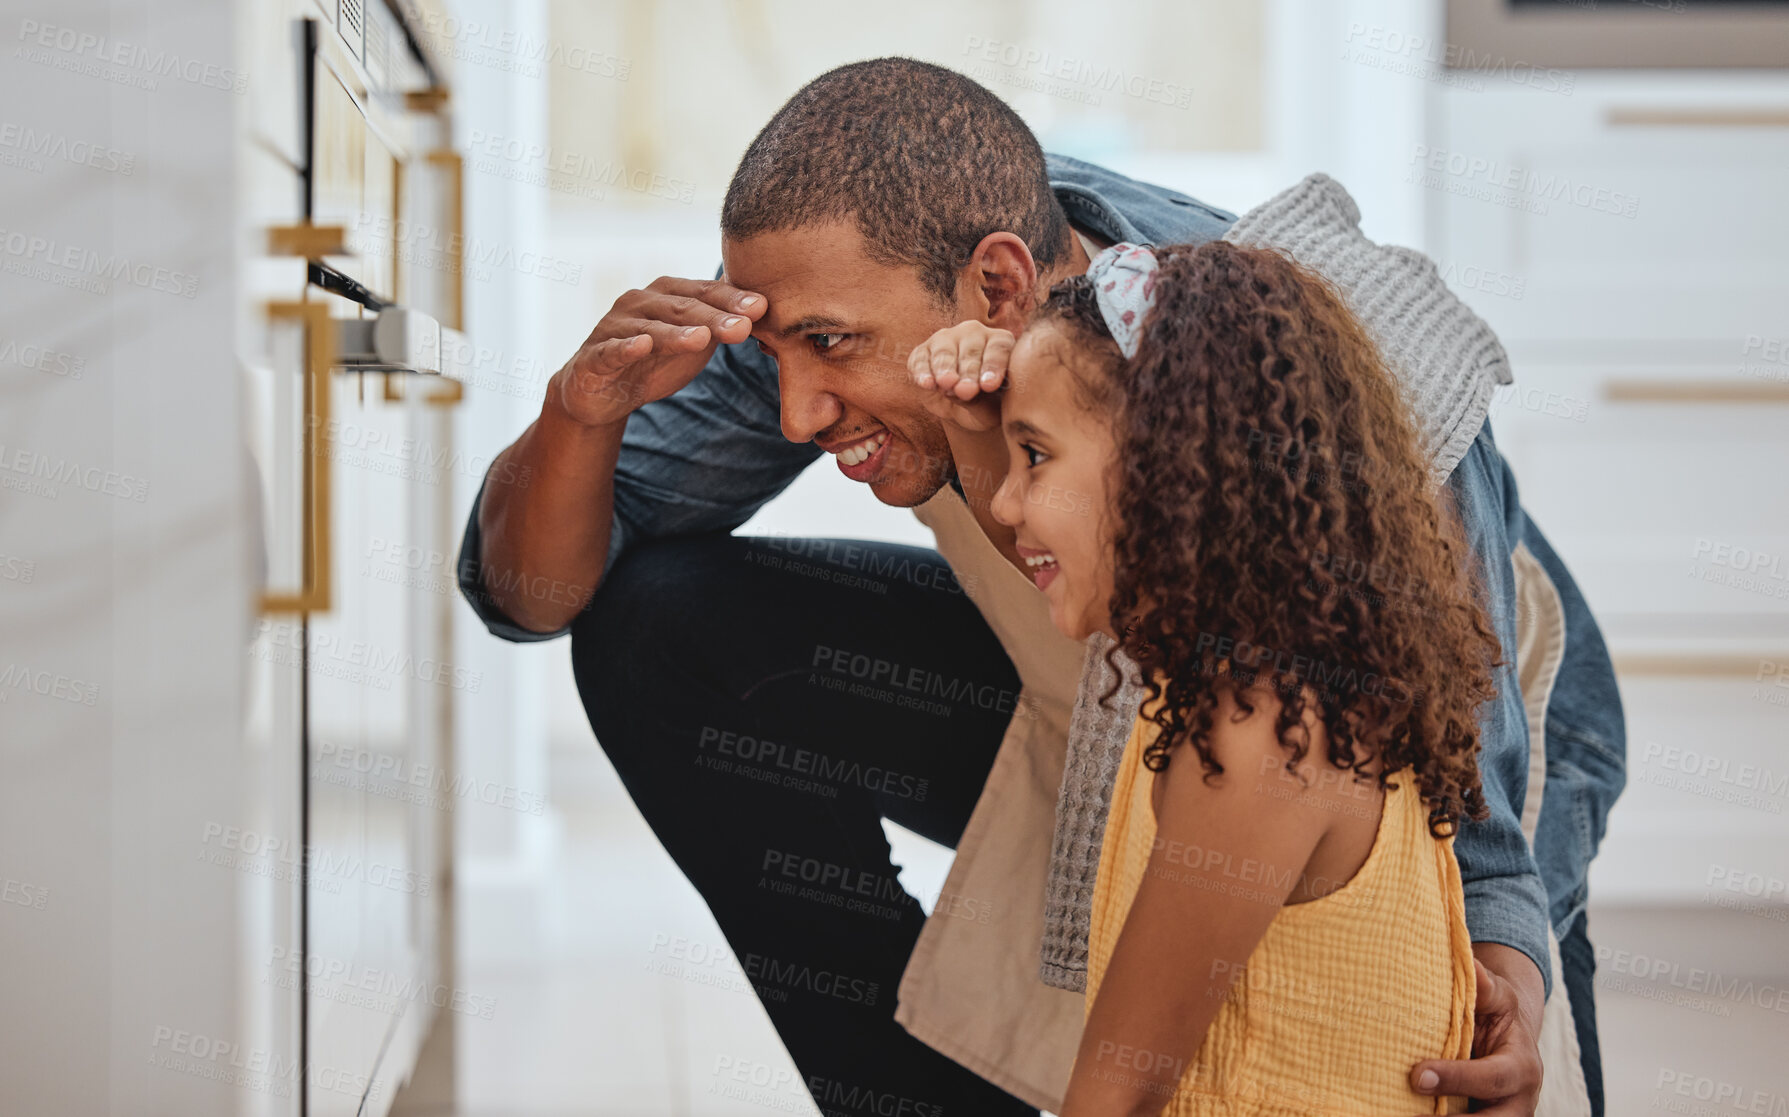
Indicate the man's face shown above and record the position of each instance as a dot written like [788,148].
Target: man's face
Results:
[840,327]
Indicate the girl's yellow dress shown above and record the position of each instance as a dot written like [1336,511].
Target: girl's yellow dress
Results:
[1343,995]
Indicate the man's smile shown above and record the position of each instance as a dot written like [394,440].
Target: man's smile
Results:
[861,458]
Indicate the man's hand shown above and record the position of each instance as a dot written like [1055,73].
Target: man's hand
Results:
[549,499]
[962,366]
[650,344]
[1504,1073]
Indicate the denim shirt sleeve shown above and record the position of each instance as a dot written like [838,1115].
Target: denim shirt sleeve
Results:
[1505,899]
[701,460]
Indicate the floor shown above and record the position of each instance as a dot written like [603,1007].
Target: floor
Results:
[635,1010]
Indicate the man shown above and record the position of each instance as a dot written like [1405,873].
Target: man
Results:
[767,702]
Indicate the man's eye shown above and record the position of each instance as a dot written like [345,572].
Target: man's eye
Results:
[824,343]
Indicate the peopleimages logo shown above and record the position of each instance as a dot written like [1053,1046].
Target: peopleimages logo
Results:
[1093,78]
[20,466]
[1452,56]
[34,145]
[440,249]
[85,52]
[32,256]
[1492,180]
[42,358]
[16,678]
[570,172]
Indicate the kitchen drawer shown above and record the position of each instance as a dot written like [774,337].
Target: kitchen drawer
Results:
[1704,818]
[1661,507]
[1633,214]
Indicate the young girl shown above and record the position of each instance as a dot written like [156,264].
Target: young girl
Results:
[1206,460]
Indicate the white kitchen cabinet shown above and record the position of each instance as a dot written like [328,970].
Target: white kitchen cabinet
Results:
[226,701]
[372,748]
[1637,229]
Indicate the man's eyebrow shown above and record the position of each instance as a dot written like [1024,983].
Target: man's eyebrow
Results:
[812,323]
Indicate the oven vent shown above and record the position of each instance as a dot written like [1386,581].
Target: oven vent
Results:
[352,24]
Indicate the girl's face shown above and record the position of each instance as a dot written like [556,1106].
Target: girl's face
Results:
[1057,492]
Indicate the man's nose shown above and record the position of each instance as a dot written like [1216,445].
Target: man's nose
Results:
[1007,506]
[808,408]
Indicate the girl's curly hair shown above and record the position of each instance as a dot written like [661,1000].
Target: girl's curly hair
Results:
[1276,527]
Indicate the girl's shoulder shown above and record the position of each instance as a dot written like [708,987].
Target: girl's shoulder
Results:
[1260,760]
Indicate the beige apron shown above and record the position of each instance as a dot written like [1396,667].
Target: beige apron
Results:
[971,989]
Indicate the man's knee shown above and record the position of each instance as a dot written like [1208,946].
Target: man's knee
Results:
[639,639]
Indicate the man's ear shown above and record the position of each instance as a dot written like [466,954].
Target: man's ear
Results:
[1000,281]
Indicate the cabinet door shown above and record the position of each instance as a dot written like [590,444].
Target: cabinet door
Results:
[1626,244]
[380,788]
[342,678]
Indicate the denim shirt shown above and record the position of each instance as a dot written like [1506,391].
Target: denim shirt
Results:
[708,457]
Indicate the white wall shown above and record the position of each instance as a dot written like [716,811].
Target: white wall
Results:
[501,732]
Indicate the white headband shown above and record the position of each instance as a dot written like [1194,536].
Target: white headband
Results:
[1124,285]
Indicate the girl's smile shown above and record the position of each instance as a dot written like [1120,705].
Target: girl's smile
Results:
[1056,494]
[1043,564]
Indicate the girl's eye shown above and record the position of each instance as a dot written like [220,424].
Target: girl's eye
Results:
[824,343]
[1033,456]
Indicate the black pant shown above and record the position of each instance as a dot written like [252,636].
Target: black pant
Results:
[1578,961]
[766,702]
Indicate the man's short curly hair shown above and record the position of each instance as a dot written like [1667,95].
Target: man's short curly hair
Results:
[925,160]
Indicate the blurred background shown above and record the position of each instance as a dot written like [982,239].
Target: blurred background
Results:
[413,884]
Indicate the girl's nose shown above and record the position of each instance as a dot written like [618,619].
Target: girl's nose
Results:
[1006,506]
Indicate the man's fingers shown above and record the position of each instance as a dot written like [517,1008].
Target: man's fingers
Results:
[614,354]
[1506,1079]
[717,293]
[1510,1107]
[1495,996]
[666,337]
[682,310]
[1488,1078]
[720,307]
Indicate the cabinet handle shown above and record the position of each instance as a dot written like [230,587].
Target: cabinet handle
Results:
[1695,391]
[313,242]
[1703,664]
[452,388]
[400,342]
[315,583]
[430,100]
[451,393]
[1736,117]
[456,244]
